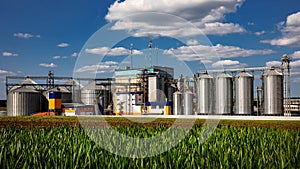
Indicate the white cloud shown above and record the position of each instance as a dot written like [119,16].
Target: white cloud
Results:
[5,72]
[260,33]
[75,54]
[228,64]
[293,64]
[48,65]
[290,32]
[9,54]
[102,67]
[63,45]
[56,57]
[273,63]
[296,55]
[118,51]
[206,14]
[192,42]
[206,53]
[26,35]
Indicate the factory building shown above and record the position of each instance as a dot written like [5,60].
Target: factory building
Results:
[145,90]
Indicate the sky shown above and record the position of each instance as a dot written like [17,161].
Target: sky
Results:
[89,38]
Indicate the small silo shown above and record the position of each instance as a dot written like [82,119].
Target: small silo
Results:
[244,94]
[224,96]
[23,101]
[205,93]
[273,93]
[90,93]
[188,103]
[177,103]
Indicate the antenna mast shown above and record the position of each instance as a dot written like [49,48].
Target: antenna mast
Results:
[131,46]
[156,50]
[150,51]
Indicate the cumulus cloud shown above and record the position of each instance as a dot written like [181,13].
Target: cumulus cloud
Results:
[290,32]
[26,35]
[48,65]
[228,64]
[106,51]
[207,15]
[6,72]
[296,55]
[9,54]
[260,33]
[293,64]
[56,57]
[63,45]
[75,54]
[206,53]
[273,63]
[102,67]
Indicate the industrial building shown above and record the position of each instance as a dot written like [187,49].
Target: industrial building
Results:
[155,90]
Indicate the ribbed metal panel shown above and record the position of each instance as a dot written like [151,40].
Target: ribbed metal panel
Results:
[188,103]
[205,93]
[177,103]
[90,93]
[156,89]
[24,101]
[273,93]
[244,94]
[224,97]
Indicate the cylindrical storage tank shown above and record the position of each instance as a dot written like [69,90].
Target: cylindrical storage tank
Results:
[244,94]
[224,96]
[90,93]
[205,93]
[24,101]
[177,103]
[273,93]
[188,103]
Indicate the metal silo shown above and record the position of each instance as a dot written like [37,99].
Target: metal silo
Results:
[205,93]
[90,93]
[273,93]
[177,103]
[188,103]
[24,101]
[244,94]
[75,90]
[224,96]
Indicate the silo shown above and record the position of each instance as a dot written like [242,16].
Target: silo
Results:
[24,101]
[224,96]
[177,103]
[244,94]
[90,93]
[205,93]
[75,90]
[188,103]
[273,93]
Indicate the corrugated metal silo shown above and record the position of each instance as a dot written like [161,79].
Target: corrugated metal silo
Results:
[273,93]
[244,94]
[24,101]
[90,93]
[224,96]
[177,103]
[205,93]
[188,103]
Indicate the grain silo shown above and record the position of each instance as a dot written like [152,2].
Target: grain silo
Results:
[177,103]
[244,94]
[224,96]
[205,93]
[188,103]
[273,93]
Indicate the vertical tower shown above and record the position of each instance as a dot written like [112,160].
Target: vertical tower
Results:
[285,67]
[131,52]
[150,51]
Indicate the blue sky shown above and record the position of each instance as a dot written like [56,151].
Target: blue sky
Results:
[38,36]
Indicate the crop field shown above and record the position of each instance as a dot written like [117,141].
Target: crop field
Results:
[61,142]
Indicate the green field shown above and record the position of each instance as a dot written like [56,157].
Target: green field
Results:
[60,142]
